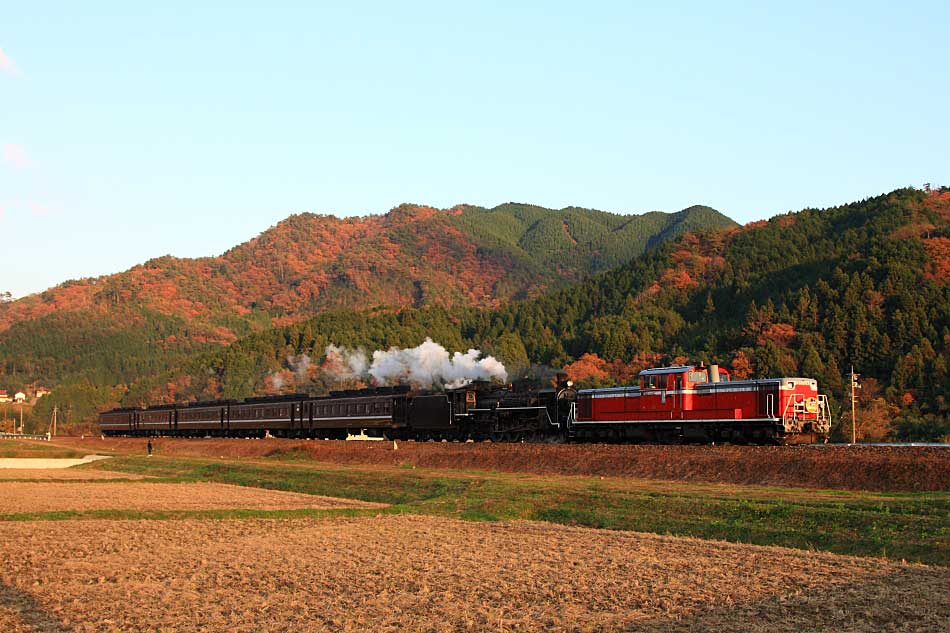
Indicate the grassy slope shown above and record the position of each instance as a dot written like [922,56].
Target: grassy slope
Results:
[20,449]
[909,526]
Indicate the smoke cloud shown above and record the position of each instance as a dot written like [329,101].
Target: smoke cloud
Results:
[300,365]
[426,365]
[344,364]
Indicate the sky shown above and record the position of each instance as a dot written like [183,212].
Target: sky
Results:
[134,130]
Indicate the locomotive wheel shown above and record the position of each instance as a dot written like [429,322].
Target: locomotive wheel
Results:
[532,437]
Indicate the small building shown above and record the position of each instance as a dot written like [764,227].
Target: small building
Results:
[41,391]
[4,396]
[19,396]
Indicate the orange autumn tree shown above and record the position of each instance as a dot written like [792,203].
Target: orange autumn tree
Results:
[588,369]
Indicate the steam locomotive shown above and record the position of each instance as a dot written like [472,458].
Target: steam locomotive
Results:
[683,403]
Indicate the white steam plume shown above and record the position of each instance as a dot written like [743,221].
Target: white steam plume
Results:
[300,365]
[423,366]
[345,364]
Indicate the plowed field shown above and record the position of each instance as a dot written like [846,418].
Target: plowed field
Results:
[411,573]
[18,497]
[881,468]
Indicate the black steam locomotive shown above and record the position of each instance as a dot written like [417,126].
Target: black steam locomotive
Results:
[478,411]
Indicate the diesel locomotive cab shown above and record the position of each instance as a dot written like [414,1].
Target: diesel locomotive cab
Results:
[695,403]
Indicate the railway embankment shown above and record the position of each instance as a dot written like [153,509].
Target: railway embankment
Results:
[872,468]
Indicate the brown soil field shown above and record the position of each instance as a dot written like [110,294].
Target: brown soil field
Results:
[65,474]
[411,573]
[21,497]
[876,468]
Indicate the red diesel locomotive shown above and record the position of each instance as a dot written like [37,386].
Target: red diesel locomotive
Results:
[688,403]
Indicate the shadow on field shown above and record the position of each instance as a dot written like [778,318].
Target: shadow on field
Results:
[26,612]
[876,602]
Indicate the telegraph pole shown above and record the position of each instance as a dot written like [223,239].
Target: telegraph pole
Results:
[854,398]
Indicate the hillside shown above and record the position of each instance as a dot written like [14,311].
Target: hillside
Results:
[119,328]
[807,293]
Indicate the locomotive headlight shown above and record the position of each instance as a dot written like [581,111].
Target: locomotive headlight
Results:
[570,383]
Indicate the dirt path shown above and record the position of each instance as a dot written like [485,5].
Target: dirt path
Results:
[411,573]
[62,474]
[21,497]
[47,462]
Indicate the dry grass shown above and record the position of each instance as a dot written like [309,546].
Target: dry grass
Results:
[409,573]
[23,497]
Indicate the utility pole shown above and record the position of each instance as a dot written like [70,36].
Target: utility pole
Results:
[854,398]
[53,423]
[21,418]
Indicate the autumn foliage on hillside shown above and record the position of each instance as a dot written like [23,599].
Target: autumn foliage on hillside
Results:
[804,294]
[305,264]
[122,329]
[410,257]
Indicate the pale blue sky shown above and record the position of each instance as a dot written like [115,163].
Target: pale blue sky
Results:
[130,131]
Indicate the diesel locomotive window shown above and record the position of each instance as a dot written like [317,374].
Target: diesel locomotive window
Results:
[697,376]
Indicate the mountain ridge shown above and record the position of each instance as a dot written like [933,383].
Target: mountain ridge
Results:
[412,256]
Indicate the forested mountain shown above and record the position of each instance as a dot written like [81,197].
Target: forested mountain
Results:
[807,293]
[116,329]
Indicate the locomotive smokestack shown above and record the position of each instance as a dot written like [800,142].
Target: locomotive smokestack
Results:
[714,373]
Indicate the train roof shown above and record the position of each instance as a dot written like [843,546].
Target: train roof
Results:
[207,403]
[673,369]
[368,391]
[278,398]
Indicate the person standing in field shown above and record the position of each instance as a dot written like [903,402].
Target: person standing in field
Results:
[148,447]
